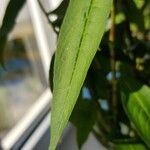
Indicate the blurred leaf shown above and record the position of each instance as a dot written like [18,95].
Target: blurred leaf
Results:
[60,12]
[125,69]
[51,73]
[129,147]
[120,17]
[146,11]
[139,3]
[132,13]
[96,76]
[84,116]
[136,102]
[12,10]
[80,35]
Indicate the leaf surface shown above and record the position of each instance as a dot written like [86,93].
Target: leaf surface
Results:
[80,35]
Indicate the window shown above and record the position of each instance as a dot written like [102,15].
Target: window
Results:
[24,93]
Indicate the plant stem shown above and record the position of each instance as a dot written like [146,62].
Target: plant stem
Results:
[112,30]
[113,62]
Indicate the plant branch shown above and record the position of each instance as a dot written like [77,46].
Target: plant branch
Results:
[112,30]
[113,62]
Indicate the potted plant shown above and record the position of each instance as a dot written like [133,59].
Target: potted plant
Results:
[101,88]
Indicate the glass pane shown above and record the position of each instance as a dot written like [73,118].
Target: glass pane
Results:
[22,81]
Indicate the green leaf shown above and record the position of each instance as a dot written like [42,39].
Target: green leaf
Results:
[146,12]
[96,76]
[129,147]
[11,13]
[136,101]
[51,73]
[84,116]
[80,35]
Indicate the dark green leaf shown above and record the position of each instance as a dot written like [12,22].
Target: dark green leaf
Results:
[136,102]
[60,12]
[51,73]
[12,10]
[132,13]
[96,77]
[83,117]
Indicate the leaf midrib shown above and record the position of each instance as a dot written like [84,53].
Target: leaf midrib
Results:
[79,49]
[81,39]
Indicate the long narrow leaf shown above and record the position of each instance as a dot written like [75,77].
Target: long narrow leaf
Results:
[80,35]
